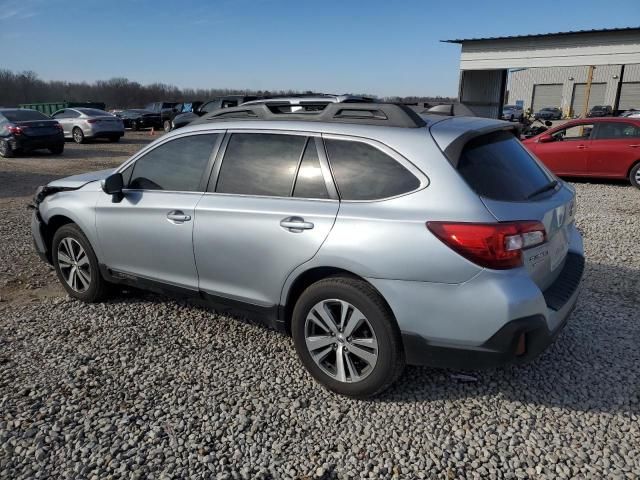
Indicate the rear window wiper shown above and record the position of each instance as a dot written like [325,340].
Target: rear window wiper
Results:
[549,186]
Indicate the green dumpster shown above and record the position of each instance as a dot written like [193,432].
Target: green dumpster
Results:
[52,107]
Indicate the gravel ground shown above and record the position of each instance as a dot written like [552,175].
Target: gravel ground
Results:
[147,387]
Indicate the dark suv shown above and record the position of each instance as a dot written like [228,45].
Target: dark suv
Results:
[600,111]
[22,130]
[214,104]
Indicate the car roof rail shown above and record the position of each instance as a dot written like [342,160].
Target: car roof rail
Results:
[383,114]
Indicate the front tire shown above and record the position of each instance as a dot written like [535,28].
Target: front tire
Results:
[78,135]
[76,265]
[347,338]
[167,126]
[634,175]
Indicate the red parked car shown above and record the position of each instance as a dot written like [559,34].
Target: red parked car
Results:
[591,147]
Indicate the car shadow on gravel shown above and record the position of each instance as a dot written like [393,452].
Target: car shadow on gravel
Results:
[594,364]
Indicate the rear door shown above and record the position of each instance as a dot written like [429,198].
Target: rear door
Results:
[514,187]
[614,148]
[567,153]
[268,208]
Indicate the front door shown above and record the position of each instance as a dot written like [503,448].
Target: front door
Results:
[148,233]
[269,212]
[567,153]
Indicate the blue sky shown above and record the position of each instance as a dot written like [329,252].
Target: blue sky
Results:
[377,47]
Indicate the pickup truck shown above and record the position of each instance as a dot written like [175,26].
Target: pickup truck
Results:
[165,109]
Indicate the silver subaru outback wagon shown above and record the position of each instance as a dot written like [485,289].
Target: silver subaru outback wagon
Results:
[375,236]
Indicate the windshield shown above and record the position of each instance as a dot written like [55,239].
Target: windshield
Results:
[24,115]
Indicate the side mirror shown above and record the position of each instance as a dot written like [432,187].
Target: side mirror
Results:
[113,184]
[545,138]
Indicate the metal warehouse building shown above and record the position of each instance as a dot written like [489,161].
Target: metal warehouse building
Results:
[570,70]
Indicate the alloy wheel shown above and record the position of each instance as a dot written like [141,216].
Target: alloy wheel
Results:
[341,341]
[78,136]
[74,265]
[638,176]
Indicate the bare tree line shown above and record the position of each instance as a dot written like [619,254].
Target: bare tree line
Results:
[27,87]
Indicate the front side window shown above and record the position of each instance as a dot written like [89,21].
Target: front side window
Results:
[617,131]
[177,165]
[260,164]
[576,132]
[363,172]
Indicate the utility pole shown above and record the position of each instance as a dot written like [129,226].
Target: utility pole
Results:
[587,91]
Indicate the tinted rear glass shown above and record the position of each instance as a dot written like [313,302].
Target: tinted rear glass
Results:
[94,112]
[363,172]
[497,166]
[24,115]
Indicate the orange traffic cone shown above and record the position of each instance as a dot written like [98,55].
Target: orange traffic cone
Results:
[152,133]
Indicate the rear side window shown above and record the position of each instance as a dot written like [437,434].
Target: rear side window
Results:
[617,131]
[177,165]
[497,166]
[363,172]
[310,181]
[24,115]
[260,164]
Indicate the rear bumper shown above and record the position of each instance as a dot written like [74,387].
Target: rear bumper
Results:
[103,133]
[25,143]
[518,341]
[494,318]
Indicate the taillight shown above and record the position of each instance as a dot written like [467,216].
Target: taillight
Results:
[92,120]
[492,245]
[58,126]
[13,129]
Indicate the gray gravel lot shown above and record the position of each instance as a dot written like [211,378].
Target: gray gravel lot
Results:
[148,387]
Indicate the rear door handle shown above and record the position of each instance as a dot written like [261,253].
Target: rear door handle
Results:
[295,223]
[635,146]
[178,216]
[581,147]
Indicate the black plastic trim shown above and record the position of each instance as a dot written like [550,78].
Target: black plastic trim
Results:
[561,290]
[500,349]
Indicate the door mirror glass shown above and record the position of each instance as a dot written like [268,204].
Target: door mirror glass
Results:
[113,184]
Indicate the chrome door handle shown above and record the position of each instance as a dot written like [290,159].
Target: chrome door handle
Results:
[178,216]
[295,223]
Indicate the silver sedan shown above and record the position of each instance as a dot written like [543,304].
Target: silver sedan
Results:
[81,124]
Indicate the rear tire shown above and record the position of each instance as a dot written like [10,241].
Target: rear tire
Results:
[114,139]
[77,266]
[634,175]
[78,135]
[5,149]
[134,126]
[167,126]
[358,357]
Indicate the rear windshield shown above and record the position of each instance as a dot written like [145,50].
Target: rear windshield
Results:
[24,115]
[94,112]
[497,166]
